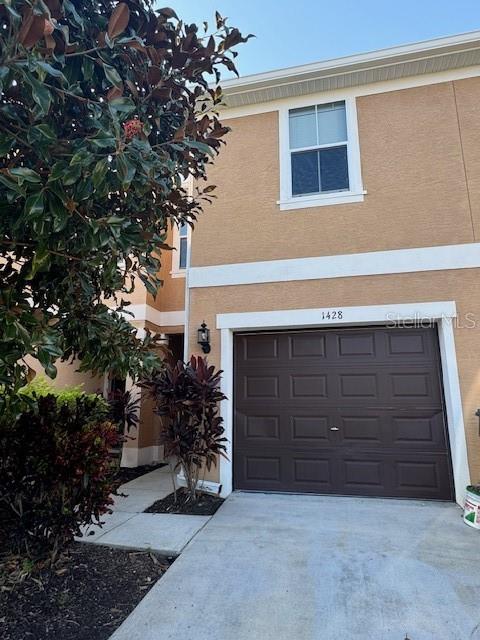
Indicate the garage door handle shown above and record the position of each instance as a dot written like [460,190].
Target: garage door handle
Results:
[334,429]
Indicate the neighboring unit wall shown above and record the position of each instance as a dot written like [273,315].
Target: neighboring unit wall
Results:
[171,296]
[69,376]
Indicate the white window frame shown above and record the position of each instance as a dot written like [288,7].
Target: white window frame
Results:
[176,271]
[355,193]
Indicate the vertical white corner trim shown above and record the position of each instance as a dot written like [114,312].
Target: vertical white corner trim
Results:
[440,312]
[226,408]
[453,405]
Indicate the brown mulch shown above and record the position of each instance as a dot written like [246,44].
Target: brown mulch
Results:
[206,504]
[86,597]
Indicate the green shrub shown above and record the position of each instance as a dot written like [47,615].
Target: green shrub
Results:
[56,469]
[40,386]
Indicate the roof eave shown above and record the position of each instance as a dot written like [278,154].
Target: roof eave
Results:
[419,58]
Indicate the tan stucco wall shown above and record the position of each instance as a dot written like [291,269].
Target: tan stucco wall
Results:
[68,376]
[412,167]
[171,296]
[462,286]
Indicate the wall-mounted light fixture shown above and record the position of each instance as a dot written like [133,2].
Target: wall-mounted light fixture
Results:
[204,337]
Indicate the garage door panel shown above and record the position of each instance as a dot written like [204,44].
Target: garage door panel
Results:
[262,468]
[265,387]
[263,349]
[314,429]
[304,346]
[419,430]
[358,385]
[361,429]
[356,346]
[422,477]
[411,384]
[351,411]
[360,474]
[312,474]
[262,427]
[308,386]
[413,344]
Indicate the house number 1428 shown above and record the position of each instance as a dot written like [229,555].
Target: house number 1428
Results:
[332,315]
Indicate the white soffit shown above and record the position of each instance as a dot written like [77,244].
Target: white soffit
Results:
[431,56]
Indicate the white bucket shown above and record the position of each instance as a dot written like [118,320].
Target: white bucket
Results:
[471,513]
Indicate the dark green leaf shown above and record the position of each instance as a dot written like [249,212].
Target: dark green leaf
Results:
[40,94]
[34,204]
[99,172]
[25,174]
[112,75]
[48,68]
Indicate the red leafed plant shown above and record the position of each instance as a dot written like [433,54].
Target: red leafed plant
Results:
[56,471]
[187,397]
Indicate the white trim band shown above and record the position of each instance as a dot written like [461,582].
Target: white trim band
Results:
[385,313]
[442,258]
[161,318]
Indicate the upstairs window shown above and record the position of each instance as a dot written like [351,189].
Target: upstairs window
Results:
[318,143]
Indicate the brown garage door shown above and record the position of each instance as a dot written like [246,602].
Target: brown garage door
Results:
[355,411]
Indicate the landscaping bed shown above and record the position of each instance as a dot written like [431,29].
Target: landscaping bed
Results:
[86,597]
[206,504]
[126,474]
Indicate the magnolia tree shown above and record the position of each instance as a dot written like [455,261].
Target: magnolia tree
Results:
[106,109]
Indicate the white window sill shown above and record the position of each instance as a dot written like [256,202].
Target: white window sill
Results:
[321,200]
[178,274]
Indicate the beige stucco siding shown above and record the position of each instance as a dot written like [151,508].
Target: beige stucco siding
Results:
[462,286]
[171,296]
[413,170]
[69,376]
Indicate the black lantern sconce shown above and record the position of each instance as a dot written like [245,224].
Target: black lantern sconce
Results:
[204,337]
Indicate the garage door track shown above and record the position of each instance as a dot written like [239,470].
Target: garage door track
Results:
[288,567]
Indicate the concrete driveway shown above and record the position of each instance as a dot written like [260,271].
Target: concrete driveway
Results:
[288,567]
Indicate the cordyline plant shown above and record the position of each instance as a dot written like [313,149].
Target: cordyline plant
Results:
[105,110]
[186,397]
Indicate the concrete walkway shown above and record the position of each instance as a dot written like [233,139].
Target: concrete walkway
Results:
[129,528]
[278,567]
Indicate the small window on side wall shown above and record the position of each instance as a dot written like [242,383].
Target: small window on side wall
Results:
[181,241]
[183,246]
[318,147]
